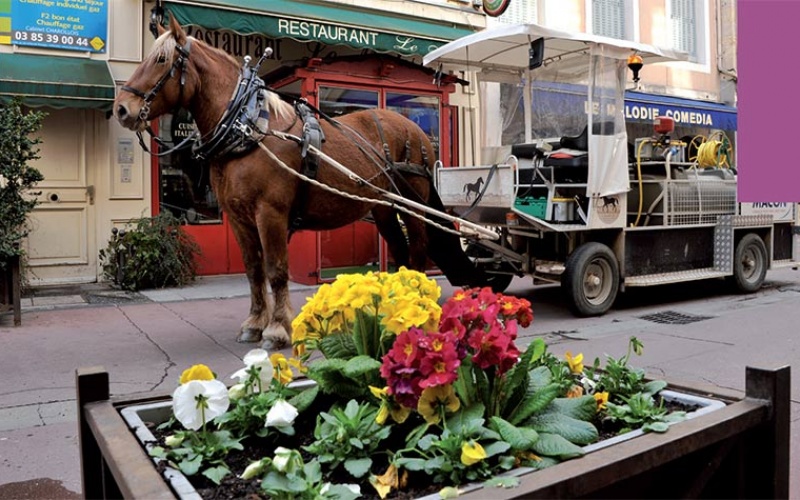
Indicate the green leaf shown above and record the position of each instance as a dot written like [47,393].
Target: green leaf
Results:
[358,467]
[313,471]
[534,403]
[361,365]
[303,400]
[582,408]
[216,474]
[340,492]
[553,445]
[520,438]
[654,386]
[338,345]
[412,464]
[190,467]
[366,334]
[501,482]
[574,430]
[539,347]
[158,451]
[540,377]
[516,381]
[329,374]
[655,427]
[496,448]
[448,492]
[460,419]
[542,463]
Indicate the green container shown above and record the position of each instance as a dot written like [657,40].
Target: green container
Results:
[533,206]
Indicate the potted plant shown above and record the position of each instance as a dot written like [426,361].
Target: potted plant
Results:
[404,393]
[17,178]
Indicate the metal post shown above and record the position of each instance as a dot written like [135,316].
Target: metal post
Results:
[768,445]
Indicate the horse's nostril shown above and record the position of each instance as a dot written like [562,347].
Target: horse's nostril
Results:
[122,112]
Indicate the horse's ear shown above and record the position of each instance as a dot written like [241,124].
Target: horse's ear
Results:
[177,31]
[160,29]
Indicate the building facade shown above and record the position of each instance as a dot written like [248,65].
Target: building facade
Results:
[339,54]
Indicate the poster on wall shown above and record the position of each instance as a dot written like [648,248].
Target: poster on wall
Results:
[57,24]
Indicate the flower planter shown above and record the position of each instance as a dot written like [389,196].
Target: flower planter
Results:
[728,437]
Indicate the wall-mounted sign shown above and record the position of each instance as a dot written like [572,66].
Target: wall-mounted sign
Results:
[495,8]
[60,24]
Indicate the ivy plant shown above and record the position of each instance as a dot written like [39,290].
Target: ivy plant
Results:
[17,176]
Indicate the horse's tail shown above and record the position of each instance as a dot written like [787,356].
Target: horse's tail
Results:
[446,252]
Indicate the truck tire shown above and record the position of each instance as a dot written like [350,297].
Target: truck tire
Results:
[749,263]
[590,282]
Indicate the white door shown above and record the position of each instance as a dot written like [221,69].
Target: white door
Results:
[61,247]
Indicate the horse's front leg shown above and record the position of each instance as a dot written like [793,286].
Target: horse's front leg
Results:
[272,228]
[258,319]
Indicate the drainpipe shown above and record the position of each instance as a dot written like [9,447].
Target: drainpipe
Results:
[726,49]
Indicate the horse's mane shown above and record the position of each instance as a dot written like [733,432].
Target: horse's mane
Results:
[165,44]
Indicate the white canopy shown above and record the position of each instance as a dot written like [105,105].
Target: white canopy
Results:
[506,47]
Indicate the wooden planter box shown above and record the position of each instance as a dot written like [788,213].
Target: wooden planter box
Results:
[10,290]
[740,450]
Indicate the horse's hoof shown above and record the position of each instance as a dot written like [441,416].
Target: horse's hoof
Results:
[249,335]
[275,339]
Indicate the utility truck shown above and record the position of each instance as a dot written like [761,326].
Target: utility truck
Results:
[598,211]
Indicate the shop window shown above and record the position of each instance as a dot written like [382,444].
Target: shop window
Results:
[422,110]
[338,101]
[184,182]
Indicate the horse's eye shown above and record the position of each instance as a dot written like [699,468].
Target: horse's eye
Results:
[161,59]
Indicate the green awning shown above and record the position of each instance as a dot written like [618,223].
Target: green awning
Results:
[310,22]
[57,82]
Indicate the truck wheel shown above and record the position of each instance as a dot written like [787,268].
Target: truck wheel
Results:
[591,280]
[749,263]
[498,282]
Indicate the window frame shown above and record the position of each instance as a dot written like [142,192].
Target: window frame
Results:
[701,60]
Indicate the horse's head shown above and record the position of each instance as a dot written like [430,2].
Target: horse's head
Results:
[164,80]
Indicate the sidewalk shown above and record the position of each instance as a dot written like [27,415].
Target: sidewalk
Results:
[145,340]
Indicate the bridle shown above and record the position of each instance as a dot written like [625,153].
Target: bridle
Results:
[179,64]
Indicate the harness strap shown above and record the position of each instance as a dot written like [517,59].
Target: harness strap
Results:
[312,136]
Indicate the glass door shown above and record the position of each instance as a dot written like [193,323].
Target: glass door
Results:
[356,247]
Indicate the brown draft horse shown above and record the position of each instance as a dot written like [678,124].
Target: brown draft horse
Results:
[258,195]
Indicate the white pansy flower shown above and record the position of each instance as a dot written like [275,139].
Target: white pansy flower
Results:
[256,360]
[237,391]
[173,441]
[282,414]
[281,460]
[255,469]
[199,401]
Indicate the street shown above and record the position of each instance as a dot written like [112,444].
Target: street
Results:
[694,332]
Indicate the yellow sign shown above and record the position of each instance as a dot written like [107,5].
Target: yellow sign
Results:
[97,43]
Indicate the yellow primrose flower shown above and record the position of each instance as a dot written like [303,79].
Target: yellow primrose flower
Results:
[384,484]
[601,398]
[197,372]
[575,363]
[472,453]
[575,391]
[283,373]
[433,399]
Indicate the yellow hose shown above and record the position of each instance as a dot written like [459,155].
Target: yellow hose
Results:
[639,173]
